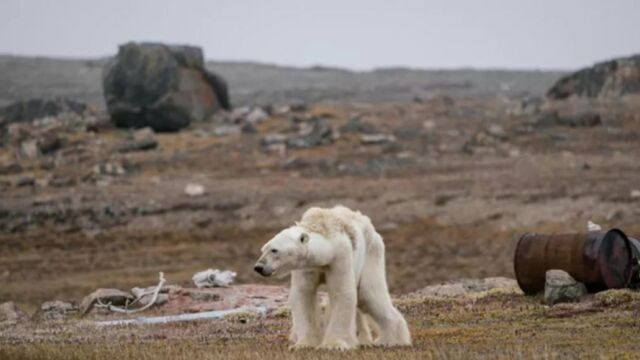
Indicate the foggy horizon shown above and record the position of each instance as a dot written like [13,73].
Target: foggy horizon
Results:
[357,36]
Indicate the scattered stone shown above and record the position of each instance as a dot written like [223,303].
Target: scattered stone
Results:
[319,133]
[248,128]
[635,194]
[583,119]
[25,181]
[560,287]
[295,163]
[160,86]
[29,149]
[143,139]
[61,181]
[282,110]
[224,130]
[10,313]
[298,107]
[497,132]
[429,125]
[57,310]
[106,296]
[273,138]
[355,125]
[256,116]
[531,105]
[49,143]
[239,115]
[375,139]
[194,190]
[109,169]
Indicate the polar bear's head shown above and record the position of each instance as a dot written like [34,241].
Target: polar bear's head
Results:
[287,251]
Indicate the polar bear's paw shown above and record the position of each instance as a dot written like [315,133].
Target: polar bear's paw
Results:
[339,345]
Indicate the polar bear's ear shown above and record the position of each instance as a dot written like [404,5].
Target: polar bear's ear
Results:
[304,238]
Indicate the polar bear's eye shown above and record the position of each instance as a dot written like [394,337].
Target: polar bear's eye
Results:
[274,250]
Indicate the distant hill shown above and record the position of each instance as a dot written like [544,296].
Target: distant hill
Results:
[25,77]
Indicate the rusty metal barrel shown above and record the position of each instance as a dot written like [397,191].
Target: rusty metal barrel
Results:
[601,260]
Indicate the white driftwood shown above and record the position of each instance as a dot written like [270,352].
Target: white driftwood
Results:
[182,317]
[125,310]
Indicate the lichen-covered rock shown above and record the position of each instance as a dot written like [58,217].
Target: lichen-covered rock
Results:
[106,296]
[560,287]
[10,313]
[606,79]
[57,310]
[160,86]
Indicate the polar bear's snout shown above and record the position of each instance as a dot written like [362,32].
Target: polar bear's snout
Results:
[262,270]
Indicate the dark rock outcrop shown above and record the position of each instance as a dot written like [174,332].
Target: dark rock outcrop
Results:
[606,79]
[581,119]
[160,86]
[33,109]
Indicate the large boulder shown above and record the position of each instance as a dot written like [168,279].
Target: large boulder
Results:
[606,79]
[160,86]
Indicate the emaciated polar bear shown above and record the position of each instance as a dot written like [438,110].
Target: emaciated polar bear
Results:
[341,248]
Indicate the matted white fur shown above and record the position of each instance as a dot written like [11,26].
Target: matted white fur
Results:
[341,248]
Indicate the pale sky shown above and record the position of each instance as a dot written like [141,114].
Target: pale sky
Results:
[358,34]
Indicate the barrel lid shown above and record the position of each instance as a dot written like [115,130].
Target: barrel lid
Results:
[615,259]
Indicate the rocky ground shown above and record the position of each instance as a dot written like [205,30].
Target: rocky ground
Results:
[479,319]
[450,182]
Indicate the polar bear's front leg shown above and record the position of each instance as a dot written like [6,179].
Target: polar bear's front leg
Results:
[341,329]
[305,331]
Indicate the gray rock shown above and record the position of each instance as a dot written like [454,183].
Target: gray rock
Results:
[143,139]
[224,130]
[160,86]
[560,287]
[319,133]
[10,313]
[374,139]
[355,125]
[29,149]
[497,132]
[582,119]
[256,116]
[57,310]
[273,139]
[109,169]
[106,296]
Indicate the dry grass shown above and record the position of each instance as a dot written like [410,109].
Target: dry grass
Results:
[493,327]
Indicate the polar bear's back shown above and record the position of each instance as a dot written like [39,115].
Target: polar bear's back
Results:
[339,219]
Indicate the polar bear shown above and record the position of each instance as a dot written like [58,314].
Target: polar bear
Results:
[340,248]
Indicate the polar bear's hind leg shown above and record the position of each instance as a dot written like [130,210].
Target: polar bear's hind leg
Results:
[375,300]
